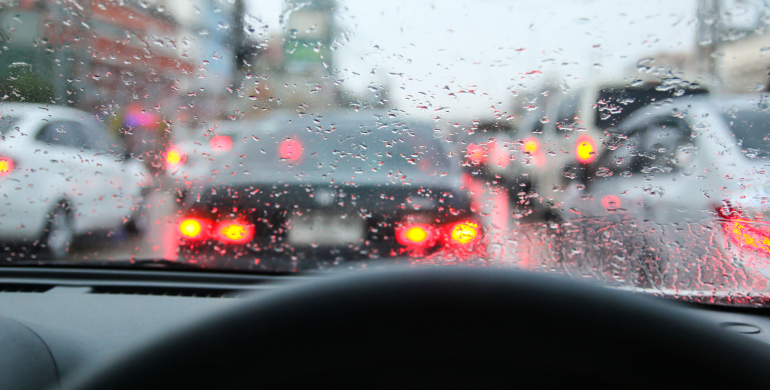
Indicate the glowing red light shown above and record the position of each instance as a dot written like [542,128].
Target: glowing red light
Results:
[585,149]
[6,166]
[290,149]
[234,232]
[174,157]
[476,153]
[530,146]
[498,155]
[221,143]
[611,202]
[194,228]
[464,232]
[415,235]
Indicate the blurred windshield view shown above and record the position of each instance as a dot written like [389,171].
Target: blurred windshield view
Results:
[624,142]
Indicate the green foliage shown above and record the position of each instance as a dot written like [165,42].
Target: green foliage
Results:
[26,86]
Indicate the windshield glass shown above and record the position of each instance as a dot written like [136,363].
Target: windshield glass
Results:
[621,142]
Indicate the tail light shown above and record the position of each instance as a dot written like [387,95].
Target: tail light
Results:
[174,157]
[423,236]
[290,150]
[463,233]
[234,232]
[221,143]
[585,149]
[530,146]
[476,153]
[743,231]
[416,235]
[6,166]
[194,228]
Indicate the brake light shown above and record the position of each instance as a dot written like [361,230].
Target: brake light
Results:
[463,232]
[193,228]
[476,153]
[415,235]
[585,149]
[174,157]
[235,232]
[744,232]
[290,149]
[531,146]
[221,143]
[6,166]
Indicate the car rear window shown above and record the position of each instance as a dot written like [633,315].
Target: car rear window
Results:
[751,130]
[350,147]
[7,123]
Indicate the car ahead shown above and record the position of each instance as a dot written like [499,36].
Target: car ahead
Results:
[568,131]
[63,175]
[312,190]
[194,157]
[682,174]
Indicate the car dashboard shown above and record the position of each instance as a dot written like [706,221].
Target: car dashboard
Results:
[56,321]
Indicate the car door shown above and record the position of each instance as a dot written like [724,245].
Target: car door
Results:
[117,191]
[649,173]
[63,140]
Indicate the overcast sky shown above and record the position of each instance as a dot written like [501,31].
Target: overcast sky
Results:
[493,47]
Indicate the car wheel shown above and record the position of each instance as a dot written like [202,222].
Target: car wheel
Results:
[59,234]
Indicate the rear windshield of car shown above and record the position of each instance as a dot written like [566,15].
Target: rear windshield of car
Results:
[751,130]
[350,147]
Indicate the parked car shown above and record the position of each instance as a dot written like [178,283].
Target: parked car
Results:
[67,175]
[315,189]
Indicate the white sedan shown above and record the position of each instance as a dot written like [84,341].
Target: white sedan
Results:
[63,174]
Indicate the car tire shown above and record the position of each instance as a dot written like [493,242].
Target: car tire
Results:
[58,234]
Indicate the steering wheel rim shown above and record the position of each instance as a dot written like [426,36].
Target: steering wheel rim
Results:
[441,327]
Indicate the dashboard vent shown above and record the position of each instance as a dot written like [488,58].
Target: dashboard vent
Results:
[169,291]
[24,288]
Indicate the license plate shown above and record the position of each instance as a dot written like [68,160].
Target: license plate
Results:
[324,229]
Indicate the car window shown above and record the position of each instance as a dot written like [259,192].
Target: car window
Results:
[7,123]
[751,129]
[101,141]
[63,133]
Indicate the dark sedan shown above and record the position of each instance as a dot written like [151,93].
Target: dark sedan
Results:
[308,192]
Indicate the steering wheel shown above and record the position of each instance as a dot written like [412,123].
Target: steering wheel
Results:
[442,327]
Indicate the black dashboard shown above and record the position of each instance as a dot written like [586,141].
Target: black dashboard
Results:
[54,322]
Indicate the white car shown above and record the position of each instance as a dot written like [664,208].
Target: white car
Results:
[63,174]
[677,162]
[196,156]
[569,129]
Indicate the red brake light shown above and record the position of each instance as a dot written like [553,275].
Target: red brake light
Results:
[476,153]
[530,146]
[290,149]
[234,232]
[174,157]
[221,143]
[463,232]
[585,149]
[415,235]
[6,166]
[194,228]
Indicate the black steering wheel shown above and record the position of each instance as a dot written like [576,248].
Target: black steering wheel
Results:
[443,328]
